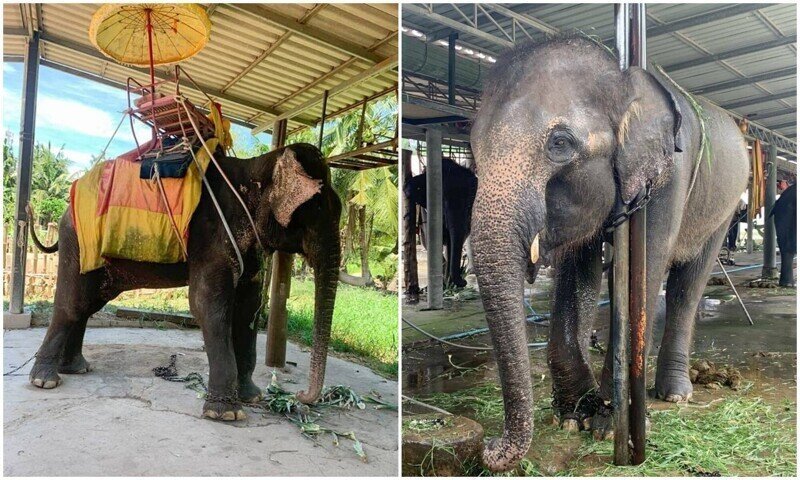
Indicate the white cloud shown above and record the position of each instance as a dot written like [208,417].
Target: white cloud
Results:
[79,159]
[7,67]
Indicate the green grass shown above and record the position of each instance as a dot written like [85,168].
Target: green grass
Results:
[364,323]
[364,320]
[740,435]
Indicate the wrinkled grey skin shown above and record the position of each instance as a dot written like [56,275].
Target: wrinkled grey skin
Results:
[547,141]
[785,214]
[225,308]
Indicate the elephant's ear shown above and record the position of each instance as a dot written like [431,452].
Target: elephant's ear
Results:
[291,187]
[647,133]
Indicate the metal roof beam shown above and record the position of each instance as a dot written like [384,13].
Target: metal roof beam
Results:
[759,47]
[456,25]
[520,17]
[375,70]
[91,52]
[776,113]
[308,31]
[783,72]
[757,100]
[704,18]
[784,125]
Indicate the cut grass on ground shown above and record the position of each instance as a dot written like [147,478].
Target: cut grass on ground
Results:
[364,320]
[740,435]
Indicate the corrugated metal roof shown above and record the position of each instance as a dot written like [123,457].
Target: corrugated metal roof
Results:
[743,25]
[261,61]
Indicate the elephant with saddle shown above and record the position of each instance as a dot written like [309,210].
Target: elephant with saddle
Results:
[459,185]
[295,210]
[562,136]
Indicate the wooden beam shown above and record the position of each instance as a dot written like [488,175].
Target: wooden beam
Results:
[381,67]
[319,35]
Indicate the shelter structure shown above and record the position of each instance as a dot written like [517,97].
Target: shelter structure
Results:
[741,57]
[277,68]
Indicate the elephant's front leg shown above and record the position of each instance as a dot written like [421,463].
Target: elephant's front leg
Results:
[245,333]
[212,300]
[576,289]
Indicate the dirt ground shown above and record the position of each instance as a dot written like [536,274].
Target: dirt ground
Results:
[121,420]
[465,382]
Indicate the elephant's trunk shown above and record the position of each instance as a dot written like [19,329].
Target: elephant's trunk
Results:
[503,227]
[326,278]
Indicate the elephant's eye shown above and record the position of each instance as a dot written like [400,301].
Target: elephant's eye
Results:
[560,146]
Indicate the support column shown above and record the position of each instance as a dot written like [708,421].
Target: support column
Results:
[15,317]
[410,273]
[451,68]
[750,214]
[433,145]
[769,269]
[280,285]
[638,277]
[621,271]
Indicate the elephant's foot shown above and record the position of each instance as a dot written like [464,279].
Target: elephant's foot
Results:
[673,384]
[459,282]
[602,424]
[77,365]
[574,418]
[222,410]
[44,375]
[248,391]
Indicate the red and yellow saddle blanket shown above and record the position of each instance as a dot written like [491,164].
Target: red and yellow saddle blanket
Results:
[119,215]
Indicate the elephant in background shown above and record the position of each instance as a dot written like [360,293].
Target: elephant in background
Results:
[459,185]
[561,137]
[288,192]
[785,213]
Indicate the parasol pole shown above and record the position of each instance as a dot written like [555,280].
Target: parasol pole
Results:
[149,26]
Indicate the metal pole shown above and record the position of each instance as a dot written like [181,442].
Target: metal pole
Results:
[735,292]
[24,172]
[410,274]
[280,285]
[638,276]
[433,142]
[620,303]
[322,120]
[750,214]
[769,269]
[451,68]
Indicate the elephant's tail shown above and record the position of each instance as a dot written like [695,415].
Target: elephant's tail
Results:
[52,248]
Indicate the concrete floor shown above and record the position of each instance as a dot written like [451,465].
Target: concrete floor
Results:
[121,420]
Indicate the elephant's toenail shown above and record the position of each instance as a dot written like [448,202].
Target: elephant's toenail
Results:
[211,414]
[587,423]
[240,415]
[38,382]
[50,384]
[228,416]
[570,425]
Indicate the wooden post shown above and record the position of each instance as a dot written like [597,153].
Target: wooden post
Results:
[276,327]
[410,274]
[281,278]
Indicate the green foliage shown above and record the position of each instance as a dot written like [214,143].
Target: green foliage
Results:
[50,183]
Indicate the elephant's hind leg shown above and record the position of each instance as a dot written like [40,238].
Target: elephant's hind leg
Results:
[245,332]
[685,286]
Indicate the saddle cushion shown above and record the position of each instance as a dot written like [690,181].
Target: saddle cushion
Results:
[117,214]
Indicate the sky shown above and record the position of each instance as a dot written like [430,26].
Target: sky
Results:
[80,115]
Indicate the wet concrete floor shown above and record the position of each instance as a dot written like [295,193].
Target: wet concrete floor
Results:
[765,352]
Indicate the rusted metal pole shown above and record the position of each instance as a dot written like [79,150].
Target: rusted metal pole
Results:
[410,274]
[620,318]
[433,145]
[280,285]
[638,276]
[769,270]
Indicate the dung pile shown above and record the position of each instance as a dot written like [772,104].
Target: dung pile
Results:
[707,373]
